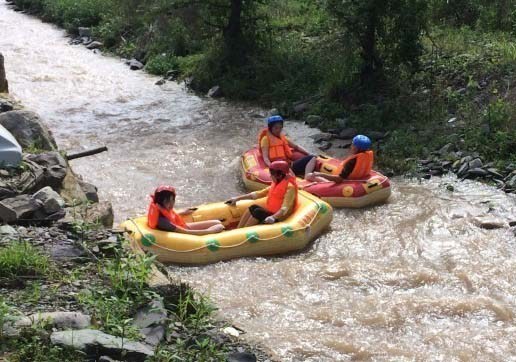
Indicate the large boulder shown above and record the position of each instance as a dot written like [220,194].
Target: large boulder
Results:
[4,86]
[19,207]
[28,129]
[52,201]
[100,213]
[96,343]
[54,168]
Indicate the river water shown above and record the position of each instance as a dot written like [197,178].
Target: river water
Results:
[411,280]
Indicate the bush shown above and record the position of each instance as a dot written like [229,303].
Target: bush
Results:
[22,259]
[161,64]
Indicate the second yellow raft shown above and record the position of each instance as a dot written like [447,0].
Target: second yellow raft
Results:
[311,217]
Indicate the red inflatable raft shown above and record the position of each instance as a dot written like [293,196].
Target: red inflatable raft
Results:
[374,189]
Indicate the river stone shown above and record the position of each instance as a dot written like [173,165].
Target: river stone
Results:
[462,170]
[300,107]
[94,45]
[4,85]
[512,182]
[320,137]
[101,213]
[324,146]
[135,65]
[63,320]
[489,222]
[152,314]
[215,92]
[446,149]
[495,173]
[90,191]
[28,129]
[54,168]
[95,343]
[347,133]
[241,357]
[51,200]
[477,172]
[6,105]
[18,207]
[476,163]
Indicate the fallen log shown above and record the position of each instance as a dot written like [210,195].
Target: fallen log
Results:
[91,152]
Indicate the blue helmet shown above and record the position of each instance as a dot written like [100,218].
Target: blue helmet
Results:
[361,142]
[274,119]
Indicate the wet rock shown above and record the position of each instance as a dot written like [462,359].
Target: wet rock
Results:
[314,119]
[466,159]
[51,200]
[7,230]
[101,213]
[90,191]
[446,164]
[463,170]
[6,105]
[324,146]
[511,182]
[172,74]
[476,163]
[95,343]
[495,173]
[215,92]
[161,82]
[4,85]
[512,223]
[54,168]
[453,119]
[347,133]
[489,222]
[28,129]
[241,357]
[94,45]
[320,137]
[19,207]
[274,112]
[134,64]
[477,172]
[84,32]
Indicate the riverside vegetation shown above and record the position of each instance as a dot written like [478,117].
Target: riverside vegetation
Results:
[423,73]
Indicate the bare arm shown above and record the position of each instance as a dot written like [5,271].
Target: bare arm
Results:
[265,154]
[297,147]
[333,178]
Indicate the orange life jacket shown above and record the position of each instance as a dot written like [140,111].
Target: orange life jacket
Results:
[155,210]
[277,194]
[363,165]
[278,146]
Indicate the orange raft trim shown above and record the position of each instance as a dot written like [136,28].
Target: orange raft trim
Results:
[372,190]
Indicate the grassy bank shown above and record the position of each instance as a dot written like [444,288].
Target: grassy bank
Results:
[460,90]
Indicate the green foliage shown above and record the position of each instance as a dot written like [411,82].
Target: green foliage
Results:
[161,64]
[20,259]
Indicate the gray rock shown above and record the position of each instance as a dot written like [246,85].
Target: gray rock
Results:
[300,107]
[476,163]
[63,320]
[347,133]
[446,149]
[314,119]
[466,159]
[341,122]
[153,335]
[495,173]
[161,82]
[94,343]
[101,213]
[274,112]
[477,172]
[376,135]
[90,190]
[323,136]
[5,105]
[4,85]
[152,314]
[94,45]
[456,165]
[462,170]
[84,32]
[7,230]
[324,146]
[28,129]
[52,201]
[18,207]
[54,168]
[172,74]
[512,223]
[241,357]
[135,65]
[512,182]
[489,222]
[215,92]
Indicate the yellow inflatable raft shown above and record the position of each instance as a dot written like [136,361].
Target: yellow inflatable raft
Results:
[311,217]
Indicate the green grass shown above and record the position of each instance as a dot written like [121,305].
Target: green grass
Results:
[21,259]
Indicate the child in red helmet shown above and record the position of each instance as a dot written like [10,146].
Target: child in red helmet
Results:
[281,198]
[163,217]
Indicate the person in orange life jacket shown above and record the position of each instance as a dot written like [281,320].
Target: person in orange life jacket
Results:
[355,167]
[274,145]
[281,198]
[162,216]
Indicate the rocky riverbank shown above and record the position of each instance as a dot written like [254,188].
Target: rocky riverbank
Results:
[73,289]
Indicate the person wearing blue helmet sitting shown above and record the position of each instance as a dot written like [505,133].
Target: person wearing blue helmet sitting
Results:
[358,166]
[275,146]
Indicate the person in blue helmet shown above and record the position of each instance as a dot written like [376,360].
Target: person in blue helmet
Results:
[355,167]
[275,146]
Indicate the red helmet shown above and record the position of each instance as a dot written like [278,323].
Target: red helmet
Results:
[165,188]
[280,166]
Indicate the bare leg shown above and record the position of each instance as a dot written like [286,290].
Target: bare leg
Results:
[251,222]
[201,225]
[244,219]
[310,166]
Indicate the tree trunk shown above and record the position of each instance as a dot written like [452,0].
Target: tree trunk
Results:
[4,87]
[233,31]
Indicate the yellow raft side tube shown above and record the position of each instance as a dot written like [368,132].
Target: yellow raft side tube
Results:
[309,220]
